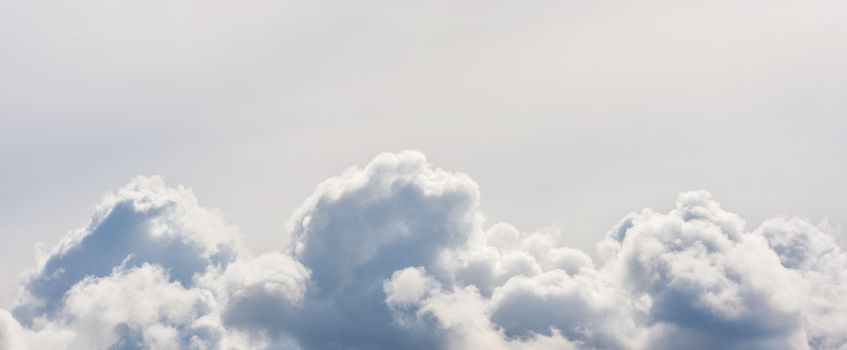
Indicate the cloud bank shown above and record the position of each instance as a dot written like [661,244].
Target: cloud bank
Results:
[397,255]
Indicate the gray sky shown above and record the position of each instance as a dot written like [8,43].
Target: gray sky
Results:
[567,113]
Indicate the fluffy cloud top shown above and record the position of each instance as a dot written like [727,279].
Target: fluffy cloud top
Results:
[396,254]
[144,222]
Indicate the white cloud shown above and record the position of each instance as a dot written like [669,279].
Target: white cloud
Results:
[396,255]
[705,276]
[10,332]
[407,286]
[136,308]
[144,222]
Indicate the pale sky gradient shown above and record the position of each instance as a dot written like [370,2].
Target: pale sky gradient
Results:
[566,113]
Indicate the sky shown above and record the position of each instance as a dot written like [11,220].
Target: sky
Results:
[565,116]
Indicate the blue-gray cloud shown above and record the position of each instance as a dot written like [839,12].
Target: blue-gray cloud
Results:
[397,254]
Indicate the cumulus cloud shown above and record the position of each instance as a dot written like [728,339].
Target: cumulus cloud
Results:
[396,254]
[11,332]
[136,308]
[144,222]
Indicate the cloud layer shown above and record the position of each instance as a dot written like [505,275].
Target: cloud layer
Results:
[397,254]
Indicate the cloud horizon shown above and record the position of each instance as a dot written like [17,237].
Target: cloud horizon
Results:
[398,254]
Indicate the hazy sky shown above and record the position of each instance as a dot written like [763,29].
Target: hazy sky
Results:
[566,113]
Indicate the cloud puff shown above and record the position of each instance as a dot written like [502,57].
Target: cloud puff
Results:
[144,222]
[137,308]
[11,332]
[396,254]
[706,278]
